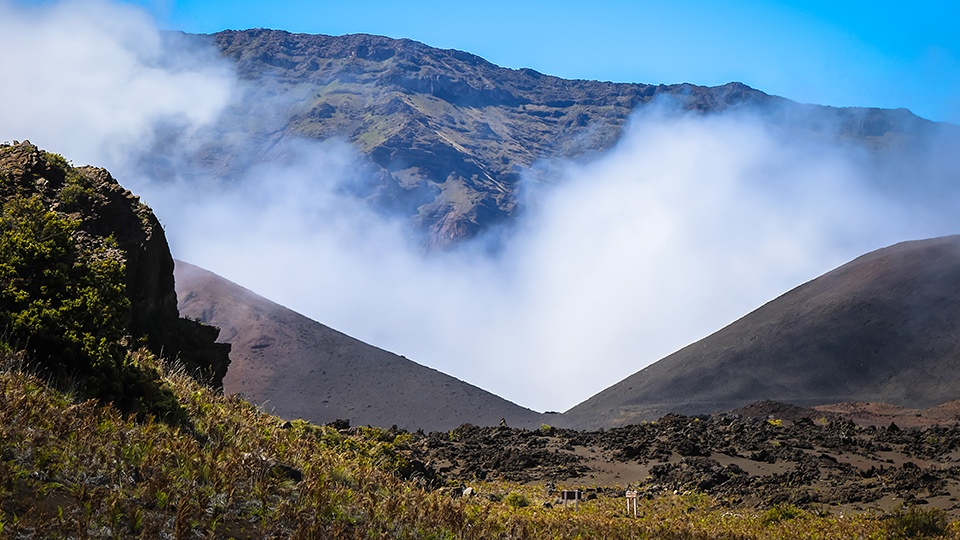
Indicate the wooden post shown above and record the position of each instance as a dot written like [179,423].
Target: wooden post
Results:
[632,502]
[571,495]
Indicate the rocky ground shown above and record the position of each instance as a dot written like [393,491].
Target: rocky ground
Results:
[760,456]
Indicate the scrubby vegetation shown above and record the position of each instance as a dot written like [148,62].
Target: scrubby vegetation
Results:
[73,469]
[63,304]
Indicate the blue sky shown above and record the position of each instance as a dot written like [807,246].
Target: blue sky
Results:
[851,53]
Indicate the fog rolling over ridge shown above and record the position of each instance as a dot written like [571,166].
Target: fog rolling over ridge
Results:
[613,261]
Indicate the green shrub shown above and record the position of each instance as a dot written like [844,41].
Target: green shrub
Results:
[77,192]
[56,161]
[780,512]
[917,523]
[516,500]
[66,304]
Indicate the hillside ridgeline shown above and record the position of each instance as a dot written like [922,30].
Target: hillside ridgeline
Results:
[299,368]
[881,328]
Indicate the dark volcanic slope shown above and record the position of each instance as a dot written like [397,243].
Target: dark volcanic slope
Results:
[450,130]
[882,328]
[300,368]
[451,133]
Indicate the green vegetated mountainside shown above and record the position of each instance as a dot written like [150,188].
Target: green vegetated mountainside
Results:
[451,133]
[881,328]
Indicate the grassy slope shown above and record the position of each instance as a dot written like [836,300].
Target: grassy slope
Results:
[81,469]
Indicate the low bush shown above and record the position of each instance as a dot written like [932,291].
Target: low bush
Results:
[917,522]
[780,512]
[516,500]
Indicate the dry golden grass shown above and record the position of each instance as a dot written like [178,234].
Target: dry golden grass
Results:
[83,470]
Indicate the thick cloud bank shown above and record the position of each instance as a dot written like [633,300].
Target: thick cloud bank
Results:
[687,224]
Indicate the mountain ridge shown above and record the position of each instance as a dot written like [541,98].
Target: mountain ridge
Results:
[299,368]
[877,329]
[449,135]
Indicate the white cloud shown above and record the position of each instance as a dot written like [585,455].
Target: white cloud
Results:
[94,79]
[687,224]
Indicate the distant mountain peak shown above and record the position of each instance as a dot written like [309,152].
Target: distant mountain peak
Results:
[451,134]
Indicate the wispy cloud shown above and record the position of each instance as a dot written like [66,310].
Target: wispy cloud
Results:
[88,76]
[688,223]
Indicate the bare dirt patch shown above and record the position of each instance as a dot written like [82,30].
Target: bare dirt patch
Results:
[819,461]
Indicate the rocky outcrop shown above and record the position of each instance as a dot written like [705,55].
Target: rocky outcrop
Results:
[105,209]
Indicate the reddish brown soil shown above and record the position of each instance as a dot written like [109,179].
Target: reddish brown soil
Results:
[882,414]
[299,368]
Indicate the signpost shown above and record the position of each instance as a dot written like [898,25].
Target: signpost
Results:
[632,502]
[571,495]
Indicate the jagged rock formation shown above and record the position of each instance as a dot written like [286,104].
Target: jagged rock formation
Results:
[105,209]
[881,328]
[452,133]
[299,368]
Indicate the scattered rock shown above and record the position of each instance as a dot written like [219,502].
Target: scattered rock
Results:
[739,460]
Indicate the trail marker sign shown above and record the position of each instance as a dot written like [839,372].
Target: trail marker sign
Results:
[632,502]
[571,495]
